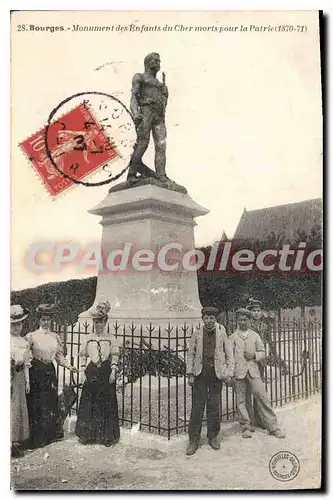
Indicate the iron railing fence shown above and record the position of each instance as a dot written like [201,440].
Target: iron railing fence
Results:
[152,387]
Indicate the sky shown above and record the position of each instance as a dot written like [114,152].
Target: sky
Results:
[243,119]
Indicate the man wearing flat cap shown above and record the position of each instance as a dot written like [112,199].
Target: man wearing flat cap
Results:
[259,325]
[259,319]
[209,362]
[249,350]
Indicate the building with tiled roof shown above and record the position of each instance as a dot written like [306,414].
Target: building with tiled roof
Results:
[282,223]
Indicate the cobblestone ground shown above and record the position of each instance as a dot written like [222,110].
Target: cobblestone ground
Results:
[147,462]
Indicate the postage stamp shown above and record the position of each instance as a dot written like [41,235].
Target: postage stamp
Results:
[78,145]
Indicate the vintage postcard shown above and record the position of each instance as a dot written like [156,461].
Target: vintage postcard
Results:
[166,250]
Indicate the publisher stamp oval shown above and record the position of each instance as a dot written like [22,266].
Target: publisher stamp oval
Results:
[284,466]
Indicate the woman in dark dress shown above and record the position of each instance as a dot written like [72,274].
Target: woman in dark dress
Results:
[46,348]
[97,420]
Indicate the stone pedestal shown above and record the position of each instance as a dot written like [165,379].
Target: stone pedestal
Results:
[147,218]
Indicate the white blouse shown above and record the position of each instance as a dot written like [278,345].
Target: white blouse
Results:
[20,350]
[46,347]
[100,349]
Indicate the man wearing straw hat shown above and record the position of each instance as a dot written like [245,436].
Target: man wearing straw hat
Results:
[248,350]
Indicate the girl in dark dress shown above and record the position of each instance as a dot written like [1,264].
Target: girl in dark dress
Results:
[97,420]
[46,348]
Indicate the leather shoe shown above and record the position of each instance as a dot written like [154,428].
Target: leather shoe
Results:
[192,448]
[85,441]
[278,433]
[215,444]
[16,452]
[246,433]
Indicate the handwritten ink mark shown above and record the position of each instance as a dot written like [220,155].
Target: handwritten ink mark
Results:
[74,167]
[80,144]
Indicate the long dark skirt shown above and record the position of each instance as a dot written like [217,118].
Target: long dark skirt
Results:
[97,420]
[43,407]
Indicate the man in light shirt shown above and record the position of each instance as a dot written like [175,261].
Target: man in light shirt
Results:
[248,350]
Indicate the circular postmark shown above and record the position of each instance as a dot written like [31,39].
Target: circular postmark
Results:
[284,466]
[90,131]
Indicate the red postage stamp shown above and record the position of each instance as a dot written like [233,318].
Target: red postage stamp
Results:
[77,144]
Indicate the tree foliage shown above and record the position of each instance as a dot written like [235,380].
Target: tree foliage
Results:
[229,290]
[72,296]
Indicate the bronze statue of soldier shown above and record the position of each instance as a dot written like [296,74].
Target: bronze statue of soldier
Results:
[148,102]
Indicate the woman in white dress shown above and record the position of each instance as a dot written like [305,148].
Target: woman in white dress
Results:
[20,358]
